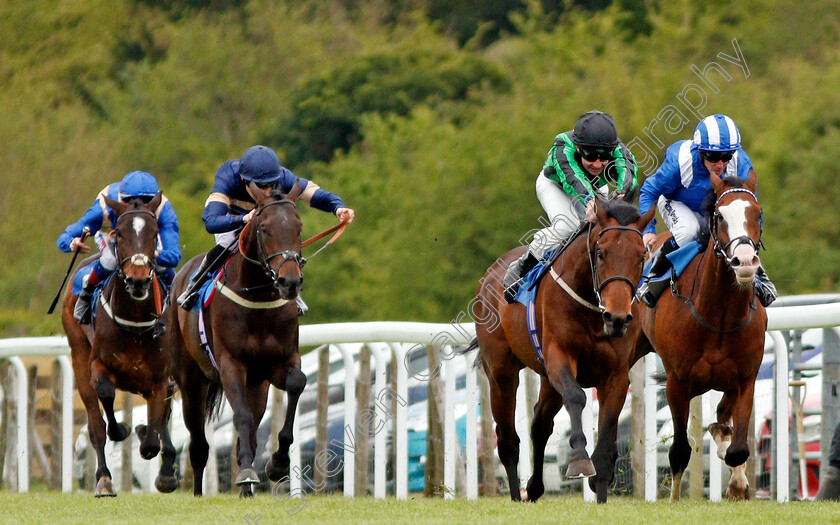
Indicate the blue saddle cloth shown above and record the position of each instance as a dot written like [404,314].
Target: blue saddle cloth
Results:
[527,295]
[679,261]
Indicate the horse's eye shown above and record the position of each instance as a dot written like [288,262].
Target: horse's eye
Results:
[600,255]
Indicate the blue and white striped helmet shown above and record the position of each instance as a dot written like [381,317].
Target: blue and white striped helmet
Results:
[717,133]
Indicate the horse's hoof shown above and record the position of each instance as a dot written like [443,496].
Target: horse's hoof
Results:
[534,491]
[580,468]
[119,432]
[104,488]
[274,471]
[247,476]
[166,484]
[150,451]
[738,493]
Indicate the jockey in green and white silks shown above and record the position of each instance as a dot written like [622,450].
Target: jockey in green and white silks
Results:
[581,163]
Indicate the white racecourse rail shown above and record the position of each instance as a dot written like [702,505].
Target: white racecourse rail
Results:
[399,338]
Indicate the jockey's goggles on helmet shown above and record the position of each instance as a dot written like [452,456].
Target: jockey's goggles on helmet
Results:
[717,156]
[145,199]
[594,154]
[266,185]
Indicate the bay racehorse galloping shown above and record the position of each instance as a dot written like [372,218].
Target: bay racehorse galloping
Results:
[252,331]
[709,332]
[123,347]
[583,316]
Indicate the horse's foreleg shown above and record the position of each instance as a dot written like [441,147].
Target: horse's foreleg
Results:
[234,376]
[156,416]
[611,396]
[278,465]
[166,480]
[680,451]
[103,384]
[738,452]
[546,408]
[563,380]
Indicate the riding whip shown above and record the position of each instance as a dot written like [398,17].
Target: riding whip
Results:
[85,233]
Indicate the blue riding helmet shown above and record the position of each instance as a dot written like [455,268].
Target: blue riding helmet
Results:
[717,133]
[259,164]
[138,184]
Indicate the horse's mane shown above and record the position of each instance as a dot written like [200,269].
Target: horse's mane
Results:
[623,212]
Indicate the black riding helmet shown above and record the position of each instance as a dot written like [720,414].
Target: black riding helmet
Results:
[595,129]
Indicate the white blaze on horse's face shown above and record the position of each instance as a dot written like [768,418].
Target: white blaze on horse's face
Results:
[138,224]
[744,258]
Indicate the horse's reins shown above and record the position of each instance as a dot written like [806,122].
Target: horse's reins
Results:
[720,253]
[597,284]
[138,259]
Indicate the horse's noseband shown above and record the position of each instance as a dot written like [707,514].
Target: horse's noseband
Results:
[721,251]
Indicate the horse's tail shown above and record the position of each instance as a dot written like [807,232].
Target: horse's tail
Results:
[469,348]
[660,378]
[213,404]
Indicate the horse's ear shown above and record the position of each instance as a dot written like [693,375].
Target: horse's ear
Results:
[630,196]
[117,206]
[155,202]
[295,192]
[717,182]
[645,219]
[752,180]
[256,192]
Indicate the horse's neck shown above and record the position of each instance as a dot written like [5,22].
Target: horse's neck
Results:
[575,268]
[123,305]
[715,290]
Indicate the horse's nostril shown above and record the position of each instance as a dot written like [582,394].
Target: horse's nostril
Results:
[629,319]
[607,317]
[735,261]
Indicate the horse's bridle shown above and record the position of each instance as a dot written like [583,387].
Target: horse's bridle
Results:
[136,259]
[265,258]
[721,251]
[597,284]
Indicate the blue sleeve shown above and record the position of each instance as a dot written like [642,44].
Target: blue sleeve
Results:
[92,218]
[217,220]
[326,201]
[663,182]
[744,164]
[169,255]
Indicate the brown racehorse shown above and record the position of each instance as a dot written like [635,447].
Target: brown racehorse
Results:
[123,348]
[583,315]
[710,333]
[252,329]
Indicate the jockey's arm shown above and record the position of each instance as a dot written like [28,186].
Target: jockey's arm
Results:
[217,217]
[169,254]
[665,181]
[92,218]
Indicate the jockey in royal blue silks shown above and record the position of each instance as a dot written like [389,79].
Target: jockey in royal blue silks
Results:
[231,206]
[679,187]
[137,184]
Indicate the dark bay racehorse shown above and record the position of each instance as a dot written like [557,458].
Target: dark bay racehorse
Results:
[252,329]
[710,334]
[123,347]
[583,313]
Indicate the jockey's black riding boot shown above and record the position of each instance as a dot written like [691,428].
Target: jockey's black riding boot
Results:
[514,273]
[211,262]
[764,287]
[82,311]
[649,292]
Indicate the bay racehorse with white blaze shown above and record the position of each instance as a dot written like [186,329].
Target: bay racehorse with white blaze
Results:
[709,331]
[126,347]
[587,333]
[252,333]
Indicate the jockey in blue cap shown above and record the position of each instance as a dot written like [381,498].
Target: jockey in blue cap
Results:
[137,184]
[231,206]
[680,186]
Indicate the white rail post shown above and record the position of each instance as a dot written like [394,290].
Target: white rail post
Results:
[450,438]
[380,454]
[349,421]
[66,423]
[780,420]
[588,423]
[400,422]
[650,428]
[711,400]
[523,430]
[21,418]
[472,425]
